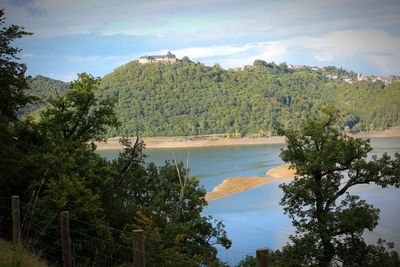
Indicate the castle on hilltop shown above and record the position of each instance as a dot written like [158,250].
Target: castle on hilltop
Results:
[168,58]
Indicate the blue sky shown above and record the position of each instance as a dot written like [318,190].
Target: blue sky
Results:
[96,36]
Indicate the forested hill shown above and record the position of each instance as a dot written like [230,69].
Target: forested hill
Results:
[188,98]
[43,88]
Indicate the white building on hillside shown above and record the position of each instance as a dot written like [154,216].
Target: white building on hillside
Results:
[168,58]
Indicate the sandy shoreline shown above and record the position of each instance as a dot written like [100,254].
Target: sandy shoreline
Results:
[171,142]
[234,185]
[218,140]
[392,132]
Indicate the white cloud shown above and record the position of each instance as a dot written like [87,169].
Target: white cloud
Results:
[387,64]
[211,51]
[351,43]
[323,57]
[303,32]
[378,47]
[235,56]
[80,59]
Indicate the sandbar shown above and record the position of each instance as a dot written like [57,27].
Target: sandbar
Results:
[234,185]
[281,172]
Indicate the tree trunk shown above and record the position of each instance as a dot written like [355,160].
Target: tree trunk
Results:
[320,213]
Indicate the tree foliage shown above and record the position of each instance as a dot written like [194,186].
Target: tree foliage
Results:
[79,115]
[188,98]
[51,164]
[329,220]
[176,232]
[13,84]
[13,96]
[44,89]
[63,172]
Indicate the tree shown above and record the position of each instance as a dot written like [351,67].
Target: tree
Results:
[13,83]
[13,96]
[154,199]
[330,221]
[61,170]
[79,115]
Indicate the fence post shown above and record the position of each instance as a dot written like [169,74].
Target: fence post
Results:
[262,257]
[138,248]
[65,239]
[16,220]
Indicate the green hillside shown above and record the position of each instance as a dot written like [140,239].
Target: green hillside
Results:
[188,98]
[43,88]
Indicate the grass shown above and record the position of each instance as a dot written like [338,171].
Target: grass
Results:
[12,256]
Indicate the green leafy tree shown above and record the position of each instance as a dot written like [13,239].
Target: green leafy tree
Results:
[62,170]
[13,83]
[43,89]
[13,96]
[167,204]
[188,98]
[249,261]
[79,115]
[59,170]
[330,221]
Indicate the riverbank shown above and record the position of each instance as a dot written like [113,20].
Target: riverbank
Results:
[391,132]
[222,140]
[235,185]
[172,142]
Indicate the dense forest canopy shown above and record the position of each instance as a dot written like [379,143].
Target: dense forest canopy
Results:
[44,89]
[188,98]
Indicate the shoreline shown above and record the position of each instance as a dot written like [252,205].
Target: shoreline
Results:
[391,132]
[234,185]
[175,142]
[222,140]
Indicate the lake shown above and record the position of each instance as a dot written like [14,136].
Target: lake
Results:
[254,218]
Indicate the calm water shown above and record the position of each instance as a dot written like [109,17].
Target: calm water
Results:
[254,218]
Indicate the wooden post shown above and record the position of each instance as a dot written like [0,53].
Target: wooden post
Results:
[16,220]
[65,239]
[138,248]
[262,257]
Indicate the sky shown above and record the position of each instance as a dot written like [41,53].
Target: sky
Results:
[97,36]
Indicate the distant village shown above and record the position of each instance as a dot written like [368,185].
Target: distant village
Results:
[349,77]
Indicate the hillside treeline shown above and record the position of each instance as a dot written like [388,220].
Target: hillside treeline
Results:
[44,89]
[188,98]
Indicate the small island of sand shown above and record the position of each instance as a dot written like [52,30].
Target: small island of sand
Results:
[234,185]
[281,172]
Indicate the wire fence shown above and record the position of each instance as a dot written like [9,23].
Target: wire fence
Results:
[99,245]
[5,218]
